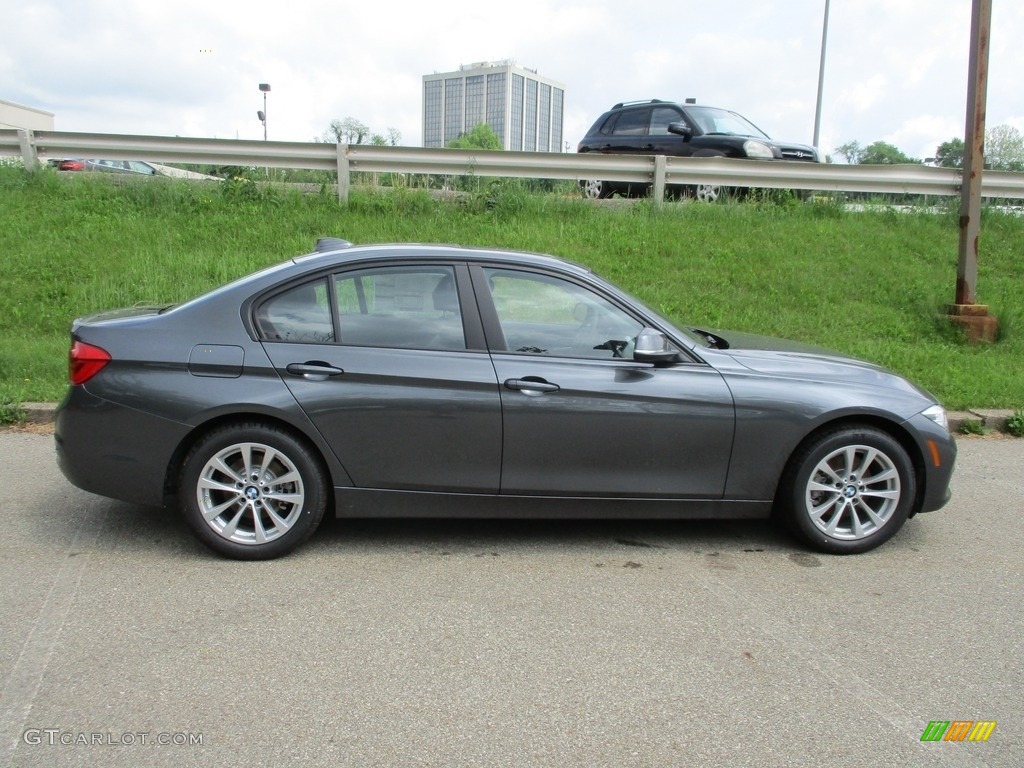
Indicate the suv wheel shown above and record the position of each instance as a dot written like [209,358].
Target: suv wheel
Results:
[593,189]
[707,193]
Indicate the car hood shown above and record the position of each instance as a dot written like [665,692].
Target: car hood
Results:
[784,358]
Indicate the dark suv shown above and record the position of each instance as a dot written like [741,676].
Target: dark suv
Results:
[680,130]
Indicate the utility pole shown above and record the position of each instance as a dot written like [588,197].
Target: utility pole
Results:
[973,317]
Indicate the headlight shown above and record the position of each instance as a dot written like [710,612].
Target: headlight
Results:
[937,414]
[758,150]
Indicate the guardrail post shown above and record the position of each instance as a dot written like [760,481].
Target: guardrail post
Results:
[28,149]
[658,191]
[344,180]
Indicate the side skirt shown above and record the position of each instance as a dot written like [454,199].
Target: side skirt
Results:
[361,502]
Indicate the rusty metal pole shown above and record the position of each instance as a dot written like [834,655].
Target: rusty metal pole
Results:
[966,312]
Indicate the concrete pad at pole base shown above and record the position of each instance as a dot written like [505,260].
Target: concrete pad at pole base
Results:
[978,326]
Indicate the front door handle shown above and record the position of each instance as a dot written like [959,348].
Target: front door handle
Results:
[315,370]
[531,385]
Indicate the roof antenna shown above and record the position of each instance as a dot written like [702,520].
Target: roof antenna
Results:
[326,244]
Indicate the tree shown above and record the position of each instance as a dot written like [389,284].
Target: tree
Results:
[1004,148]
[876,153]
[481,137]
[851,151]
[347,131]
[881,153]
[950,154]
[391,140]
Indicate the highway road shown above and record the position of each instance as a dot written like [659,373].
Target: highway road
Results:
[123,642]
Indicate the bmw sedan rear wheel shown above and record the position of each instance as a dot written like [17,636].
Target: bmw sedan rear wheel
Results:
[848,490]
[252,491]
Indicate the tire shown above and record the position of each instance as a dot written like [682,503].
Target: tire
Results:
[252,491]
[707,193]
[594,190]
[848,490]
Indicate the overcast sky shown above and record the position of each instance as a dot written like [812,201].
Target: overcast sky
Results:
[896,70]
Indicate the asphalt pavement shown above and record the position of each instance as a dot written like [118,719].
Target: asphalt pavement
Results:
[123,642]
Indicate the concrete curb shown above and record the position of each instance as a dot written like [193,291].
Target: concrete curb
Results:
[994,419]
[39,413]
[990,419]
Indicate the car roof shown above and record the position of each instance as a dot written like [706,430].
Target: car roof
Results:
[337,251]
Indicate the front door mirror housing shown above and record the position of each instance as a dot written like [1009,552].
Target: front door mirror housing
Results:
[652,346]
[679,128]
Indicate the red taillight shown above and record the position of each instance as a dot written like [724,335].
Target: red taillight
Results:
[71,165]
[85,361]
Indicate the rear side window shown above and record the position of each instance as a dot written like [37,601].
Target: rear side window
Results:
[632,122]
[404,307]
[302,313]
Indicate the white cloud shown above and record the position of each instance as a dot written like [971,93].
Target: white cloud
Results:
[893,69]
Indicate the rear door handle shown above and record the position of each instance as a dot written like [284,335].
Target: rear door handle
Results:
[531,385]
[314,370]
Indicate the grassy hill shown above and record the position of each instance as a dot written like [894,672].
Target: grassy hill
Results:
[872,284]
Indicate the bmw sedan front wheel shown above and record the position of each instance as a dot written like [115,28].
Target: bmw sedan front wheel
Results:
[252,491]
[848,490]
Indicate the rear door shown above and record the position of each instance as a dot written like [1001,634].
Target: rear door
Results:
[389,363]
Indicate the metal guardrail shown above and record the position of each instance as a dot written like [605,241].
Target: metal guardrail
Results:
[659,171]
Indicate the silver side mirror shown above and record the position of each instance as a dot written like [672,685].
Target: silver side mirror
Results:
[653,347]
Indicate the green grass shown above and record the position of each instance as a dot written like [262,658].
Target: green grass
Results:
[870,284]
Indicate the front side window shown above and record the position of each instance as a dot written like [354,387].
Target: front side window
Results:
[404,307]
[545,315]
[660,119]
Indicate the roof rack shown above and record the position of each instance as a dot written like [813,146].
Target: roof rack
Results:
[641,101]
[689,100]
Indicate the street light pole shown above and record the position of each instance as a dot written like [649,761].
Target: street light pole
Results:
[821,78]
[262,115]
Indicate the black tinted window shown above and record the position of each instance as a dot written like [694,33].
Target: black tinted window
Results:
[660,118]
[632,122]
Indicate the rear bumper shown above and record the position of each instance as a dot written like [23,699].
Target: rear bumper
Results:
[114,451]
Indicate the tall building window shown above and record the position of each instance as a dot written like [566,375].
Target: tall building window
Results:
[433,136]
[557,105]
[496,102]
[474,101]
[453,124]
[530,117]
[516,139]
[544,118]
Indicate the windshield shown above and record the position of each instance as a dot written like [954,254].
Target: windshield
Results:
[711,120]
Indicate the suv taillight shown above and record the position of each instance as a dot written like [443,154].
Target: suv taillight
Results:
[85,361]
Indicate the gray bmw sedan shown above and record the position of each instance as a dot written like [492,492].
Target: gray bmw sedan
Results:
[427,380]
